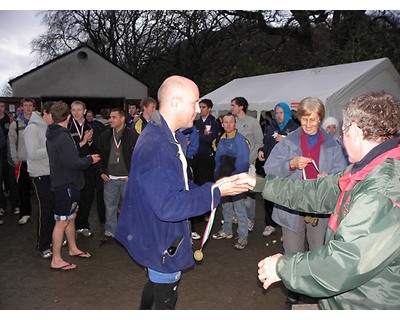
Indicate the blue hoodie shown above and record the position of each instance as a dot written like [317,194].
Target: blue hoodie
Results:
[287,115]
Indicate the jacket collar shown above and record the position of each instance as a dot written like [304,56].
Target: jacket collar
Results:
[158,120]
[374,153]
[233,135]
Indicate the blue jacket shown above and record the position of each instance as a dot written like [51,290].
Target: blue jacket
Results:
[193,136]
[156,206]
[331,160]
[232,155]
[205,146]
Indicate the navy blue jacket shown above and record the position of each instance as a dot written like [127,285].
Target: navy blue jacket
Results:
[205,147]
[232,155]
[156,206]
[66,166]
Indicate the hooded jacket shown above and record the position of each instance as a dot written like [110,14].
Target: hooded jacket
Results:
[328,121]
[157,206]
[16,140]
[66,167]
[359,265]
[287,127]
[35,143]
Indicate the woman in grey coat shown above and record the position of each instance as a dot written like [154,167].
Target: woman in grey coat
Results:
[307,153]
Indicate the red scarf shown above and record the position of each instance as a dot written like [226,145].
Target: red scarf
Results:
[348,180]
[313,153]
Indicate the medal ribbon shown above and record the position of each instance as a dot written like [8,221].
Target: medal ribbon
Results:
[210,222]
[115,141]
[80,132]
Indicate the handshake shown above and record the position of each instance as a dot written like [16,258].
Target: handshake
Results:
[236,184]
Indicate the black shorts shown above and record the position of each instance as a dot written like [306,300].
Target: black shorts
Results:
[66,204]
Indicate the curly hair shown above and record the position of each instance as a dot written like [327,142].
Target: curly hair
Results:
[377,114]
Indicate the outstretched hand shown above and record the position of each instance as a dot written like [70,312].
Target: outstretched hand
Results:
[267,270]
[247,180]
[236,184]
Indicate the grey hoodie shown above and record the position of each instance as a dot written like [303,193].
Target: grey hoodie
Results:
[35,144]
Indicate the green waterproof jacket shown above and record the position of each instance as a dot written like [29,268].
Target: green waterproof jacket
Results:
[359,265]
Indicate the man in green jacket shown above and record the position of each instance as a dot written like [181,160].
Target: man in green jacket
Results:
[359,265]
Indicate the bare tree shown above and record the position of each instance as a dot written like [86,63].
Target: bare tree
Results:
[214,47]
[6,91]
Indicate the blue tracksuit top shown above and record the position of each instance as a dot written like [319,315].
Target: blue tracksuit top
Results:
[232,155]
[156,206]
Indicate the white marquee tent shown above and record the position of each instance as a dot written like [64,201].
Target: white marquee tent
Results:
[333,85]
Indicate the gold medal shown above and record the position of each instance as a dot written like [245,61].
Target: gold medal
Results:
[117,153]
[307,219]
[315,222]
[198,255]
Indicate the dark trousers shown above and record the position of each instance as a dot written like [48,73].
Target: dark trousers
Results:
[86,198]
[101,208]
[4,177]
[24,191]
[203,171]
[159,296]
[269,206]
[3,200]
[12,186]
[45,199]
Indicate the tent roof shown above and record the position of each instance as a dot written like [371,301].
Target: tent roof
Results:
[263,92]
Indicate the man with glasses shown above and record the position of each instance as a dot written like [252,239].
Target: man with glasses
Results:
[358,267]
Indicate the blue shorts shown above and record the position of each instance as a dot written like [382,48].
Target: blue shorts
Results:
[66,204]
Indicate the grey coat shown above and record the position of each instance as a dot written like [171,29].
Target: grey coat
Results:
[331,160]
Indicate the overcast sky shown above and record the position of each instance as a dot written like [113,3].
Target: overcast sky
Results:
[17,30]
[19,27]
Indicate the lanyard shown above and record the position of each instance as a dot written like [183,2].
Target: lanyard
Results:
[117,144]
[80,132]
[304,170]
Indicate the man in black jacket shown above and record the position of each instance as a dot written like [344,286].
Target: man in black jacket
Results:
[67,180]
[116,147]
[83,135]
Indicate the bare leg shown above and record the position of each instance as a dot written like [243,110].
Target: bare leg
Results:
[58,237]
[73,249]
